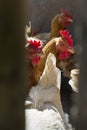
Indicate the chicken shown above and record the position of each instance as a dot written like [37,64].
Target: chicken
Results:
[45,98]
[59,22]
[63,50]
[33,55]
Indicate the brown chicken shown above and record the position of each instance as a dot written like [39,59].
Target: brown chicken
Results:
[33,56]
[60,22]
[63,50]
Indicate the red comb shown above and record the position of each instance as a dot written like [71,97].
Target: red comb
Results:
[66,13]
[34,43]
[66,34]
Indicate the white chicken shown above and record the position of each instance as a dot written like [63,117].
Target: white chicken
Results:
[45,110]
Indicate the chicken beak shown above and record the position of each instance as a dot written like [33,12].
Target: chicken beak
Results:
[71,50]
[70,20]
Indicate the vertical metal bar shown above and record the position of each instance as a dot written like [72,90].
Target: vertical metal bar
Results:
[82,117]
[11,65]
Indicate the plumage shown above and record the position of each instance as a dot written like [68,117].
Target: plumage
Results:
[43,120]
[48,87]
[33,55]
[60,22]
[45,97]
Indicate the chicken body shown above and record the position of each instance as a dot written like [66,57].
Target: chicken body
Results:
[47,92]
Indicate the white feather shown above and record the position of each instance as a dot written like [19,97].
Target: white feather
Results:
[44,96]
[51,75]
[48,87]
[43,120]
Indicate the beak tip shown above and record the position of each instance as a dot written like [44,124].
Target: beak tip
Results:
[71,20]
[72,51]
